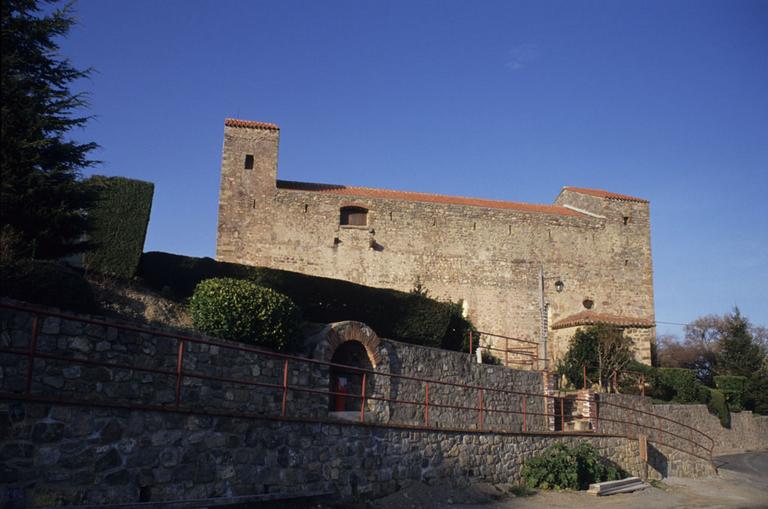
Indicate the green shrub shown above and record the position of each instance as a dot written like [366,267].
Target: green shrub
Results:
[703,394]
[602,349]
[582,351]
[243,311]
[457,335]
[718,406]
[681,383]
[756,393]
[489,358]
[392,314]
[639,372]
[119,217]
[48,284]
[571,468]
[733,387]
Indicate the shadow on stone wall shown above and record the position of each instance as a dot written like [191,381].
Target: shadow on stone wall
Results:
[658,461]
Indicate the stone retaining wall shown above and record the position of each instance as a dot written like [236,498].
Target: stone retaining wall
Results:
[460,368]
[747,432]
[91,454]
[59,455]
[75,340]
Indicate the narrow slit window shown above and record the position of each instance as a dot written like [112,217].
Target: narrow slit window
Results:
[353,216]
[626,220]
[248,162]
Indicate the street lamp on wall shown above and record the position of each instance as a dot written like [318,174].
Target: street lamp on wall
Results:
[559,285]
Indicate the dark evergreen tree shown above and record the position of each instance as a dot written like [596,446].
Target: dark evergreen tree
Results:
[738,353]
[42,199]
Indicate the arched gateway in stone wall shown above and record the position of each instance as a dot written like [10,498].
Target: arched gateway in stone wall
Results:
[354,344]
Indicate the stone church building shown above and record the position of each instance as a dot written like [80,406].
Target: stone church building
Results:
[529,271]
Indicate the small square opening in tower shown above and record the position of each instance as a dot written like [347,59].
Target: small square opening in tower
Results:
[248,161]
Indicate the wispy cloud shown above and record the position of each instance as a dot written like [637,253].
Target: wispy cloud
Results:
[521,56]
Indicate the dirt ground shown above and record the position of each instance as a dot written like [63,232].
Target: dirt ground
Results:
[742,483]
[725,491]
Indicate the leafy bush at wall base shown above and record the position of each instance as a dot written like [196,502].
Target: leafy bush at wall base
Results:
[48,284]
[733,388]
[561,467]
[243,311]
[119,217]
[396,315]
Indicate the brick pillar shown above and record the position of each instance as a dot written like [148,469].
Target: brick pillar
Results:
[549,380]
[588,407]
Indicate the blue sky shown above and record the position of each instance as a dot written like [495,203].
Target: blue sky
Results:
[664,100]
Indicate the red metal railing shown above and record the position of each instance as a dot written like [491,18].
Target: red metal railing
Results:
[611,384]
[523,352]
[663,430]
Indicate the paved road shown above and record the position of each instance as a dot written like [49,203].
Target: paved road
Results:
[751,464]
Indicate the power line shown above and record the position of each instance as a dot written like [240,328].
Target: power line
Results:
[672,323]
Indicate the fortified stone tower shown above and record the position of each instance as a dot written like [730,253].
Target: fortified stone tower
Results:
[626,289]
[248,176]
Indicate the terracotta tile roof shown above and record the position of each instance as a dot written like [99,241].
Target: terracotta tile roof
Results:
[592,318]
[604,194]
[367,192]
[234,122]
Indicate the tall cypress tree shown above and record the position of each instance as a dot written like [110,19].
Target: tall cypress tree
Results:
[42,199]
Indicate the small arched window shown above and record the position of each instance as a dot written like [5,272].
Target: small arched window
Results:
[353,216]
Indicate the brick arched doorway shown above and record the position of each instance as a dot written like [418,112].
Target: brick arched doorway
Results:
[356,345]
[347,383]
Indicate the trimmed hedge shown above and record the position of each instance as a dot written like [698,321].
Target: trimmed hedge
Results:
[680,385]
[396,315]
[719,406]
[733,388]
[242,311]
[48,284]
[571,468]
[120,217]
[756,393]
[680,382]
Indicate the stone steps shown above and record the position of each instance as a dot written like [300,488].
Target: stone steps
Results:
[612,487]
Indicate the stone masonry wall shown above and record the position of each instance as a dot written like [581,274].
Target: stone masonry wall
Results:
[55,453]
[59,455]
[72,339]
[488,257]
[748,432]
[460,368]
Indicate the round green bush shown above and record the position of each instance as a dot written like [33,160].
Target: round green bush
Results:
[241,310]
[48,284]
